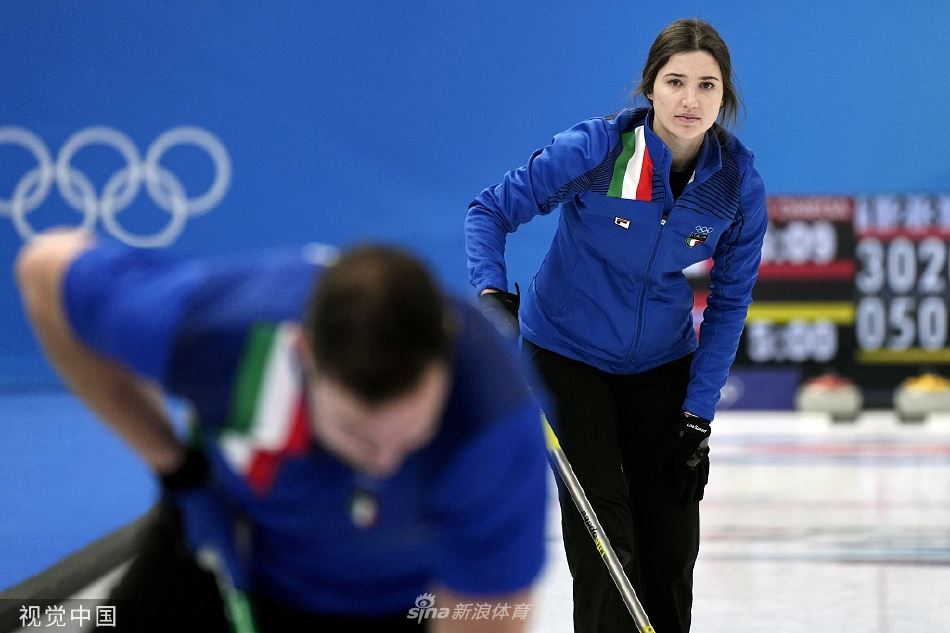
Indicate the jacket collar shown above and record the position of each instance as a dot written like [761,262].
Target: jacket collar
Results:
[708,162]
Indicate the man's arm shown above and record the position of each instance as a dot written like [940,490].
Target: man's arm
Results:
[131,405]
[512,610]
[491,549]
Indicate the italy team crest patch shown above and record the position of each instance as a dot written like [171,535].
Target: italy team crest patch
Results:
[698,236]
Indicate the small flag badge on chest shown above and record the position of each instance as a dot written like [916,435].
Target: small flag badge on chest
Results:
[364,508]
[698,236]
[621,222]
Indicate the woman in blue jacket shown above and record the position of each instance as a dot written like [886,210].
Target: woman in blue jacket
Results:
[607,318]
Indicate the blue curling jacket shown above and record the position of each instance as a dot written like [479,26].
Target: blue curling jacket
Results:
[611,290]
[466,511]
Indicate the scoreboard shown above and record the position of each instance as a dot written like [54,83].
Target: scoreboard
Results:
[803,301]
[858,286]
[903,255]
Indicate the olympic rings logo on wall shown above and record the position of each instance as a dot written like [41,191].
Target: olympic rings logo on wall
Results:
[122,187]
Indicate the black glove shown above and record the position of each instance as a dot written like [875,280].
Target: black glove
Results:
[683,458]
[502,309]
[191,473]
[207,521]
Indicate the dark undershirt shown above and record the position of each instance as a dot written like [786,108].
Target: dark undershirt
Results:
[678,180]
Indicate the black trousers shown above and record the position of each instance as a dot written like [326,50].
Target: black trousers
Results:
[165,590]
[609,427]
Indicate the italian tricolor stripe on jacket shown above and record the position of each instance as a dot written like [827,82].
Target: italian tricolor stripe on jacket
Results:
[633,169]
[269,416]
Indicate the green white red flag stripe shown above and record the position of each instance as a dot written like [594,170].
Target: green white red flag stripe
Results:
[633,170]
[269,415]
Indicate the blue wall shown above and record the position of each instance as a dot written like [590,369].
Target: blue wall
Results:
[345,121]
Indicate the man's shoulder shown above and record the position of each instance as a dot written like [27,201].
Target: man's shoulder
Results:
[488,380]
[271,286]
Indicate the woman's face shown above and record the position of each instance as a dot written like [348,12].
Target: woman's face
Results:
[687,97]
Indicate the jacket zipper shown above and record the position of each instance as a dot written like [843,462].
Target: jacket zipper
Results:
[643,288]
